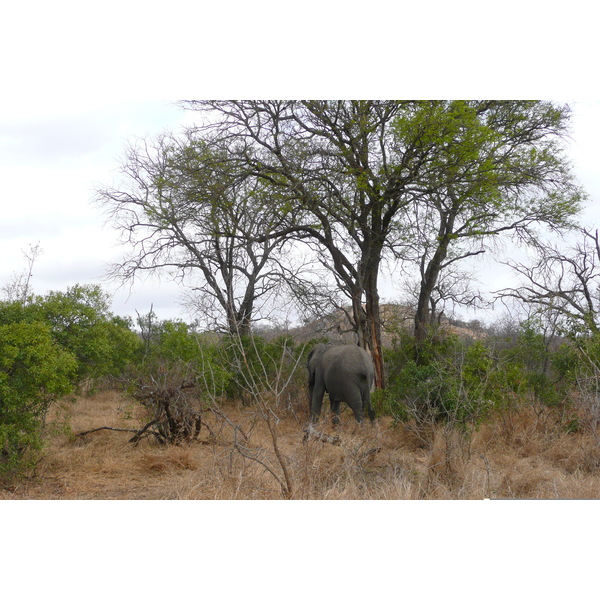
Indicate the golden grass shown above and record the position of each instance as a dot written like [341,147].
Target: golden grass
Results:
[522,455]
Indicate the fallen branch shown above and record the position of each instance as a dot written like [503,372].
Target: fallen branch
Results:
[138,434]
[310,431]
[135,439]
[101,428]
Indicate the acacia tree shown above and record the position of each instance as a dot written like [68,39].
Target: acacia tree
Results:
[495,168]
[186,208]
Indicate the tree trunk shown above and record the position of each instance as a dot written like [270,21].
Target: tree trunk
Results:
[429,278]
[360,320]
[422,320]
[374,327]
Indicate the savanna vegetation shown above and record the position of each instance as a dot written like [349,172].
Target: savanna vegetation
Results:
[270,205]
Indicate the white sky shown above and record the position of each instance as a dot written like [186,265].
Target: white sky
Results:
[51,161]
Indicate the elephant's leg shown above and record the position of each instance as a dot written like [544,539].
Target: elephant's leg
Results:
[371,413]
[335,409]
[366,404]
[316,401]
[357,408]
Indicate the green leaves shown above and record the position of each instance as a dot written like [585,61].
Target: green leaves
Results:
[47,347]
[80,321]
[34,371]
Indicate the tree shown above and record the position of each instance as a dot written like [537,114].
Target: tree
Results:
[492,168]
[338,162]
[186,208]
[564,283]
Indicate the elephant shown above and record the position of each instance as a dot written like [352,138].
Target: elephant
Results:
[346,373]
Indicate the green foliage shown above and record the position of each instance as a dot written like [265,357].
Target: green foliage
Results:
[80,322]
[177,342]
[454,380]
[34,371]
[463,381]
[173,346]
[48,345]
[531,353]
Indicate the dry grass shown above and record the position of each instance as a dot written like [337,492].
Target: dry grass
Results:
[522,455]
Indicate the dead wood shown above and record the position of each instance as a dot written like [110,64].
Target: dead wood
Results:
[310,431]
[135,439]
[82,433]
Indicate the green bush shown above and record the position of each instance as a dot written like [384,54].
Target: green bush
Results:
[34,371]
[172,346]
[465,380]
[79,320]
[48,345]
[455,380]
[531,353]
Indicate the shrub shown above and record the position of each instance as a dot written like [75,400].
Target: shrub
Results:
[34,371]
[174,345]
[455,381]
[80,322]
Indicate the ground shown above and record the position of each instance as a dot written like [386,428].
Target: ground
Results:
[528,453]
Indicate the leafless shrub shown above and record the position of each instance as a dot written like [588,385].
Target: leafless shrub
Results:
[169,395]
[265,381]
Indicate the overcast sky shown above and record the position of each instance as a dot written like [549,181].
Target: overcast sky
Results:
[51,161]
[52,158]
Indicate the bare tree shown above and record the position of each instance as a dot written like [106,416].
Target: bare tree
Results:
[185,208]
[18,288]
[564,282]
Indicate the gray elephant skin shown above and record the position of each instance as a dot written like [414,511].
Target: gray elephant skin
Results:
[346,374]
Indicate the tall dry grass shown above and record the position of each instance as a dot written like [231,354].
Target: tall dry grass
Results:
[526,454]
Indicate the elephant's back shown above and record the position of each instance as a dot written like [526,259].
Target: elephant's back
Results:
[351,359]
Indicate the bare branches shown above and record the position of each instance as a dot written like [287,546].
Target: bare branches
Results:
[186,206]
[564,282]
[19,287]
